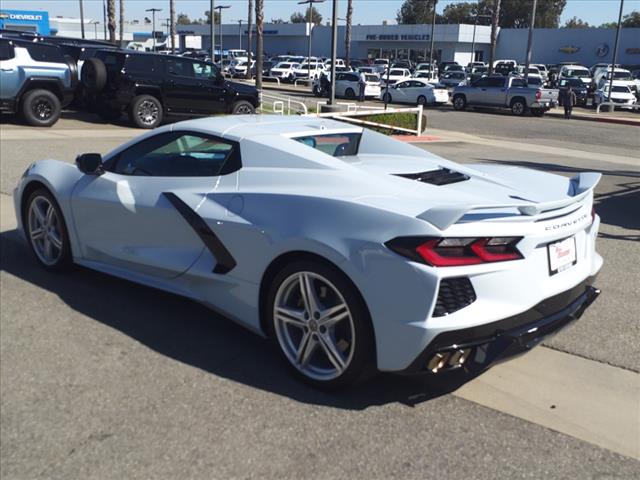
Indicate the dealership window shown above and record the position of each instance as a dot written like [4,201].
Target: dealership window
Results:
[478,56]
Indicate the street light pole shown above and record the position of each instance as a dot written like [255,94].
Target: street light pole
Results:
[310,3]
[153,25]
[615,50]
[473,42]
[95,29]
[334,41]
[530,42]
[219,8]
[212,32]
[240,35]
[433,36]
[82,19]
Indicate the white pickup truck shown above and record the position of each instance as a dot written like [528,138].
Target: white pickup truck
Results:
[505,92]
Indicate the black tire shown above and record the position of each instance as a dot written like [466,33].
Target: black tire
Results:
[459,102]
[64,261]
[41,108]
[362,363]
[73,69]
[518,107]
[145,111]
[94,75]
[538,112]
[350,94]
[422,100]
[387,97]
[242,107]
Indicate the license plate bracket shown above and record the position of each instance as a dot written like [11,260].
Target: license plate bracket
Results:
[562,255]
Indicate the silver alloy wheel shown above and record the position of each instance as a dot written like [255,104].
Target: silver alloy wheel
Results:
[148,112]
[314,326]
[458,102]
[243,110]
[45,230]
[517,108]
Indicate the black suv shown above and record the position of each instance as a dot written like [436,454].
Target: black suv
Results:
[151,86]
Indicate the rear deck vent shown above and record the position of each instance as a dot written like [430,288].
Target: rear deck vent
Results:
[454,294]
[444,176]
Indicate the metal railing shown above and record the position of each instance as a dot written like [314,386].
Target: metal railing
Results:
[611,106]
[282,105]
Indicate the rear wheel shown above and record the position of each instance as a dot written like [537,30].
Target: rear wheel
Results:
[350,93]
[145,111]
[320,325]
[94,75]
[518,107]
[386,97]
[46,230]
[459,102]
[422,100]
[41,108]
[537,112]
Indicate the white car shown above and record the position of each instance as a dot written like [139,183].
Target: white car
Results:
[348,85]
[239,68]
[576,71]
[416,91]
[621,76]
[620,93]
[352,251]
[284,71]
[395,75]
[309,70]
[453,79]
[542,69]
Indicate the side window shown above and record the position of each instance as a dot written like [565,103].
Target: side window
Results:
[204,70]
[496,82]
[517,82]
[140,63]
[336,145]
[6,50]
[482,82]
[181,68]
[179,154]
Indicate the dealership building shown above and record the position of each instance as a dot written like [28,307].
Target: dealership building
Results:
[451,42]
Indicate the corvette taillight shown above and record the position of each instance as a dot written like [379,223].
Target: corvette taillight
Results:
[456,251]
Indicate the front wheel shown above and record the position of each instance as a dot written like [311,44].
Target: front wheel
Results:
[145,111]
[422,100]
[459,102]
[242,107]
[321,325]
[41,108]
[46,231]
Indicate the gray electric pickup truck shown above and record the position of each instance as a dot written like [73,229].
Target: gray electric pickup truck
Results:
[505,92]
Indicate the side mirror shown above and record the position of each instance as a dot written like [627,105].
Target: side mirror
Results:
[90,163]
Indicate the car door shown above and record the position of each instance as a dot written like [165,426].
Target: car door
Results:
[183,91]
[213,90]
[399,92]
[9,76]
[141,214]
[495,92]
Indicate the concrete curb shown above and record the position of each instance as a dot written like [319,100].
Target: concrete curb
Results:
[590,118]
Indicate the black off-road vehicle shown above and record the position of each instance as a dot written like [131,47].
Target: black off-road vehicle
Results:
[152,86]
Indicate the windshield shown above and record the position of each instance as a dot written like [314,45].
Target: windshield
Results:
[620,75]
[578,73]
[380,62]
[396,72]
[283,65]
[618,89]
[334,144]
[372,78]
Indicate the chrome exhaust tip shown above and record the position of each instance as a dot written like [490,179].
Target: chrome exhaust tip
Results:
[438,361]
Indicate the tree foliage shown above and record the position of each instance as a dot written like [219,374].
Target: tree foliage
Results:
[415,12]
[517,13]
[630,20]
[207,17]
[183,19]
[576,22]
[298,17]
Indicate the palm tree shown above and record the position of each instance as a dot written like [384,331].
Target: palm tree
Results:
[259,41]
[121,22]
[111,22]
[172,22]
[250,25]
[347,34]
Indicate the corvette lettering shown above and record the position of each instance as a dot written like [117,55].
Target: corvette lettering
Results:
[567,224]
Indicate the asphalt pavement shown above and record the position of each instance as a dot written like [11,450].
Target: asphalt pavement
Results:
[101,378]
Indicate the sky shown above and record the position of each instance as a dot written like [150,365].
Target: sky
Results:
[373,12]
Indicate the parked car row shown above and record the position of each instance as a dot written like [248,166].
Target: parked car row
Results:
[39,76]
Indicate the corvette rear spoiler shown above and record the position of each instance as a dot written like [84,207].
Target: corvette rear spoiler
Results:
[580,187]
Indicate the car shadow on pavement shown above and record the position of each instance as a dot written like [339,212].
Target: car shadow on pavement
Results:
[620,207]
[194,335]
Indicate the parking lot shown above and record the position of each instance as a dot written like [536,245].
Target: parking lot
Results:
[102,378]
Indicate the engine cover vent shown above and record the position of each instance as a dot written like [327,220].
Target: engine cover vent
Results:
[443,176]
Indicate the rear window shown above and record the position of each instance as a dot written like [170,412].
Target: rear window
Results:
[44,53]
[335,144]
[140,63]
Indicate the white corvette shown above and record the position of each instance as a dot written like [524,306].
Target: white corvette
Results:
[354,252]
